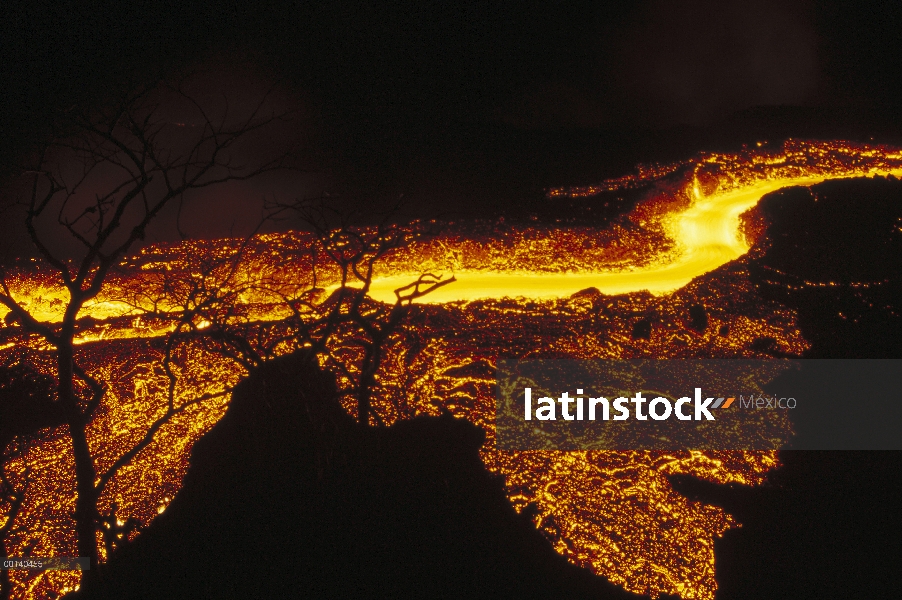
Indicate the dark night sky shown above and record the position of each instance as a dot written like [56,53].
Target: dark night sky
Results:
[478,104]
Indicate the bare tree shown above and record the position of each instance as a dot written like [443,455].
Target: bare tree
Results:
[98,186]
[350,319]
[143,163]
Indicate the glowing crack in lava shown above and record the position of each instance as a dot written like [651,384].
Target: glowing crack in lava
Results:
[613,512]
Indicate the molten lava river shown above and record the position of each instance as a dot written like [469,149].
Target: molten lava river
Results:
[542,290]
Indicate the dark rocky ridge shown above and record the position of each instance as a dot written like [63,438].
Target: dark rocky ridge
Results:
[833,253]
[287,497]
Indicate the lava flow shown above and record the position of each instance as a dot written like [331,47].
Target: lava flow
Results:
[520,291]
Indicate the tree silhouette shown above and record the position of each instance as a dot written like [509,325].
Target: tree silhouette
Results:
[349,319]
[97,186]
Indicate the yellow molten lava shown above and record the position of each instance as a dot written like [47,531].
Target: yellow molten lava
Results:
[707,236]
[613,512]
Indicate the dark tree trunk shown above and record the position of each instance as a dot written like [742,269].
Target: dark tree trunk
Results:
[86,501]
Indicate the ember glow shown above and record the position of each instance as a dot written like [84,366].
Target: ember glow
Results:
[706,235]
[520,291]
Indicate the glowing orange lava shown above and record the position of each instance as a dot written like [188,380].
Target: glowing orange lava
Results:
[612,512]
